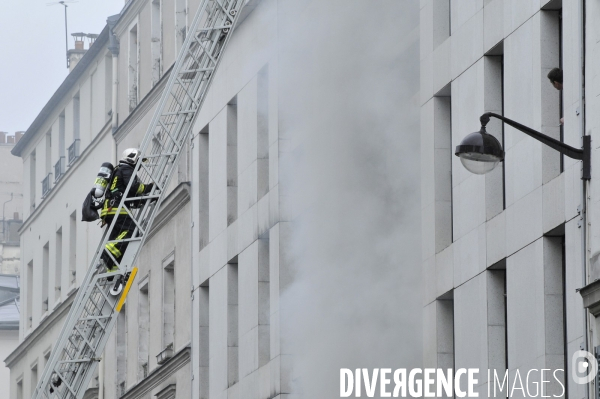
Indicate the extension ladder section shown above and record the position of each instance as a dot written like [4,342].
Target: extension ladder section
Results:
[94,311]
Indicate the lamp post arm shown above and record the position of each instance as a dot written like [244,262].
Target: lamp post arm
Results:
[571,152]
[584,154]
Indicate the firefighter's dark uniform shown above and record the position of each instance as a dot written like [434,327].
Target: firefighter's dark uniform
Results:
[124,226]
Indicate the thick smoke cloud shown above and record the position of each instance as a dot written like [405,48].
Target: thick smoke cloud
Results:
[349,123]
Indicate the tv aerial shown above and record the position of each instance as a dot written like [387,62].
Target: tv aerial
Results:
[64,3]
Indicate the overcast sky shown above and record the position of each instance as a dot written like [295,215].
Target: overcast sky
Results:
[32,42]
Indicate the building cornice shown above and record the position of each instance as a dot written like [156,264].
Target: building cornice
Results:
[67,84]
[142,108]
[170,206]
[86,152]
[128,14]
[159,374]
[53,317]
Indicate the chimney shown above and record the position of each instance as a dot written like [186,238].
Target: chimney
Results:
[2,137]
[10,139]
[79,51]
[18,136]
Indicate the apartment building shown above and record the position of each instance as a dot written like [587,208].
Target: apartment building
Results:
[102,108]
[503,252]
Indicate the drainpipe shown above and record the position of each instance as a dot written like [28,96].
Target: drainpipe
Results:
[113,46]
[585,228]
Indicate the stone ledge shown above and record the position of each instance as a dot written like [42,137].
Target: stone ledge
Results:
[159,374]
[591,297]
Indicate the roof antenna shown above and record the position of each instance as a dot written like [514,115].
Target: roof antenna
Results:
[64,3]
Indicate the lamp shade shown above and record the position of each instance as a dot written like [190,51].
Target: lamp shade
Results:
[480,152]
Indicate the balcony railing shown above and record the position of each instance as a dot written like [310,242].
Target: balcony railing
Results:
[73,151]
[46,185]
[59,169]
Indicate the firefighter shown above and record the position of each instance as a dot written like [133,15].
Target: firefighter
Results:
[124,225]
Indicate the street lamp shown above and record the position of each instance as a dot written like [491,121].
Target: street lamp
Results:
[480,152]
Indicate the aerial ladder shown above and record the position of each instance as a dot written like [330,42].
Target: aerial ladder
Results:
[94,311]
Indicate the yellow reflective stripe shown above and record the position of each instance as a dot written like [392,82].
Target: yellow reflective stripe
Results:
[111,246]
[141,188]
[112,211]
[113,249]
[114,183]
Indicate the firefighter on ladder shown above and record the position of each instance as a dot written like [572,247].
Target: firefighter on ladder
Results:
[124,225]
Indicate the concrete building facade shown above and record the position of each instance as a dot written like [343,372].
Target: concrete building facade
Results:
[503,252]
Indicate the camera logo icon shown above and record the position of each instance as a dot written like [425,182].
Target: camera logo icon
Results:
[585,367]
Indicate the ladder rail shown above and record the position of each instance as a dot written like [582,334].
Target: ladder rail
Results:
[79,347]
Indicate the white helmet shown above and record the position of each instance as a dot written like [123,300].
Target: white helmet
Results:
[130,156]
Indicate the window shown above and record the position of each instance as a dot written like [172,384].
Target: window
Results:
[441,21]
[555,299]
[92,105]
[49,151]
[45,271]
[203,345]
[445,331]
[156,41]
[495,193]
[233,375]
[232,161]
[133,68]
[76,117]
[73,248]
[168,302]
[180,23]
[144,329]
[121,349]
[58,266]
[551,107]
[108,87]
[496,321]
[47,356]
[442,158]
[34,378]
[264,308]
[73,151]
[29,277]
[59,166]
[262,135]
[203,157]
[61,134]
[32,181]
[46,182]
[20,389]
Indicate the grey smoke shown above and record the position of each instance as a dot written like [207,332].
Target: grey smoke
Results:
[349,118]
